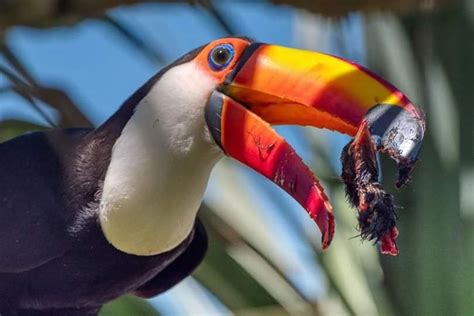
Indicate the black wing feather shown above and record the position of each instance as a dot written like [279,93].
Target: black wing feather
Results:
[180,268]
[32,208]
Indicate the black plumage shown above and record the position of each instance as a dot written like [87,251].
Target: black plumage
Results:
[54,258]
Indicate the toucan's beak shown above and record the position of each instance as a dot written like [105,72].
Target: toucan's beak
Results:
[279,85]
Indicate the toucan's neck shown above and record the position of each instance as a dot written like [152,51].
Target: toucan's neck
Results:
[112,128]
[159,167]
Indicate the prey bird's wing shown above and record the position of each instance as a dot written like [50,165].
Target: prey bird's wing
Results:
[33,212]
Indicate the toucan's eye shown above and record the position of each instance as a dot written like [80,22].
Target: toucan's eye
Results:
[221,56]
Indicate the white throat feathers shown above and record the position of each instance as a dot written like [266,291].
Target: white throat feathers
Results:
[160,166]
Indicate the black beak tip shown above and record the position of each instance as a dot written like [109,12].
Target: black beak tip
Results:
[405,169]
[399,133]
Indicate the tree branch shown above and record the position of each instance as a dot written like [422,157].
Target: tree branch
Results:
[49,13]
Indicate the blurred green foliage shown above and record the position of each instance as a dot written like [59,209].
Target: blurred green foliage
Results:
[128,305]
[12,128]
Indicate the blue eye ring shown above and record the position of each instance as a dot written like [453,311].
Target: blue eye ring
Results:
[220,56]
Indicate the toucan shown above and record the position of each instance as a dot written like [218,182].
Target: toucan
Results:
[87,215]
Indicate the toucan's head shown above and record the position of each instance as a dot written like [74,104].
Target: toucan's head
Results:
[240,87]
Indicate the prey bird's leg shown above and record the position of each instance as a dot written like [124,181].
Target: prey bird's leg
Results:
[377,215]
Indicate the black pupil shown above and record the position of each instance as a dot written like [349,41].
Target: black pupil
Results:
[221,55]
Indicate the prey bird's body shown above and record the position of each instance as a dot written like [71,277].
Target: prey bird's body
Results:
[87,215]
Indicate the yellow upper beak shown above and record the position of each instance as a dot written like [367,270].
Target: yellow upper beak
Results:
[290,86]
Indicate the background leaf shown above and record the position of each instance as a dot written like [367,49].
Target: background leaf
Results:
[128,305]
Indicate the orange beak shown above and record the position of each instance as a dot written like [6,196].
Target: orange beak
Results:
[279,85]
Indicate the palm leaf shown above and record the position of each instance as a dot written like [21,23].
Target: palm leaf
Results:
[12,128]
[128,306]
